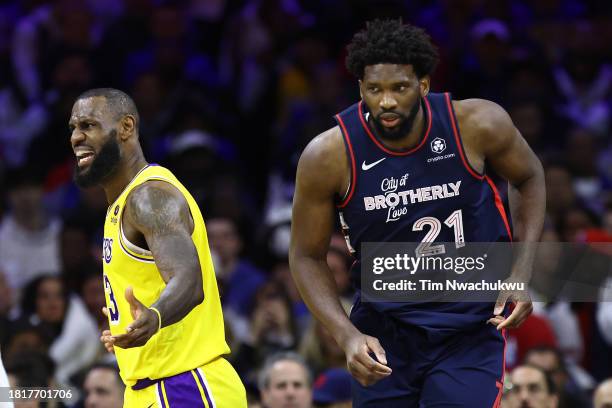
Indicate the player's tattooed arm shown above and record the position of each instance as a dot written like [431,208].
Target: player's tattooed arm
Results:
[321,176]
[159,212]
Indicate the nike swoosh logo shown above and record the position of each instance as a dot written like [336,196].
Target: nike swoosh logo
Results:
[365,166]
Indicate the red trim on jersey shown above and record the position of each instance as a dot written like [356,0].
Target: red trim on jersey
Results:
[394,152]
[353,166]
[500,384]
[499,205]
[467,165]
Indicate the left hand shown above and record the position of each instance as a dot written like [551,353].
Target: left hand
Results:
[522,309]
[143,327]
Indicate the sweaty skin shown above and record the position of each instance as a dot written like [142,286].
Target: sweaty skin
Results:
[156,217]
[323,175]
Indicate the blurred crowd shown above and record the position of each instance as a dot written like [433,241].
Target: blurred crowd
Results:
[229,93]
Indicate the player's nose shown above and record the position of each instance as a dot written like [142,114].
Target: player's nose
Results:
[388,101]
[76,137]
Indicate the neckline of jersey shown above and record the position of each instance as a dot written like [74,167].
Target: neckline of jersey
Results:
[128,184]
[391,151]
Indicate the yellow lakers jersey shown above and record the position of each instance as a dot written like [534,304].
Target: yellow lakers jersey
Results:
[199,337]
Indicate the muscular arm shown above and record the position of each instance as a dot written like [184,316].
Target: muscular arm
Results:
[490,133]
[318,179]
[161,214]
[321,175]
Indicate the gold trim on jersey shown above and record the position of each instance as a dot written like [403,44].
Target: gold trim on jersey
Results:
[129,248]
[127,186]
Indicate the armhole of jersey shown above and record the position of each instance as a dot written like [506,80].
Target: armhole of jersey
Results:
[353,171]
[129,248]
[458,142]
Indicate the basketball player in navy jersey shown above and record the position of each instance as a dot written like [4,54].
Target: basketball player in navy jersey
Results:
[414,354]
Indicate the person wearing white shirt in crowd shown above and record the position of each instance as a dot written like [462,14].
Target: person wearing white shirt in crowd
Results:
[4,383]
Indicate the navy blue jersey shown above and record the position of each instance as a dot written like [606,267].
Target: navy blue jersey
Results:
[427,194]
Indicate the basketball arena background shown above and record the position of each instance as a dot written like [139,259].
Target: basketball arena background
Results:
[230,92]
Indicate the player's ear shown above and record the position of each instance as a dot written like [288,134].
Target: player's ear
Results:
[127,125]
[360,90]
[424,85]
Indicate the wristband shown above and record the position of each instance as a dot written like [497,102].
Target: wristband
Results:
[158,317]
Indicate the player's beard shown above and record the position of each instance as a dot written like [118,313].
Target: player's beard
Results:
[104,164]
[404,127]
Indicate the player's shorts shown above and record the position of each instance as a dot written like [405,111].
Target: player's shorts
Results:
[463,370]
[214,385]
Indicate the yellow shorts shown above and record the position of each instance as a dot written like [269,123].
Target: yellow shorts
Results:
[214,385]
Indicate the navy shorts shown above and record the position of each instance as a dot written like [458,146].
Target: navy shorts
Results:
[464,369]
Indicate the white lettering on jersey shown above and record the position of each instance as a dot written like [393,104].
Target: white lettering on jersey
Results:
[396,201]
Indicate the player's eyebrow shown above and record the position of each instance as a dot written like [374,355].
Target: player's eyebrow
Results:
[376,82]
[73,123]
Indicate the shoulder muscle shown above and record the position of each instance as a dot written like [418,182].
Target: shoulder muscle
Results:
[323,166]
[157,207]
[486,124]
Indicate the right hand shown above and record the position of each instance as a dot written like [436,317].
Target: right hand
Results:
[107,338]
[364,368]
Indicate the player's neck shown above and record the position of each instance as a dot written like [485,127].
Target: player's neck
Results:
[411,139]
[123,176]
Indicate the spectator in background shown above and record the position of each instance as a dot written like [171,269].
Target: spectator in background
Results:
[573,223]
[92,293]
[103,387]
[339,263]
[238,278]
[282,274]
[585,84]
[531,387]
[272,329]
[534,332]
[63,24]
[549,300]
[560,194]
[551,361]
[193,158]
[285,381]
[489,64]
[532,117]
[320,349]
[602,344]
[89,206]
[603,395]
[70,74]
[31,369]
[20,122]
[76,254]
[332,389]
[65,323]
[581,152]
[25,338]
[4,382]
[6,304]
[29,236]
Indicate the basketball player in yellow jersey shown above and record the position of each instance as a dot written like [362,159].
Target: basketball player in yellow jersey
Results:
[166,324]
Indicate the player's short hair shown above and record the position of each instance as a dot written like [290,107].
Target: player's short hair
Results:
[551,387]
[119,102]
[391,42]
[263,379]
[107,366]
[30,368]
[543,348]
